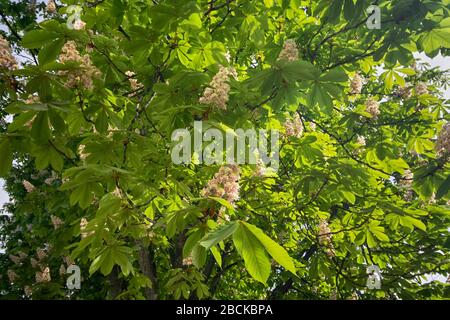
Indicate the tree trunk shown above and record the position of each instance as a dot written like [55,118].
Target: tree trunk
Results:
[148,269]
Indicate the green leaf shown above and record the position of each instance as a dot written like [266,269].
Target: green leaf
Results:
[191,241]
[37,38]
[101,124]
[335,75]
[252,251]
[299,70]
[40,130]
[371,242]
[416,222]
[334,11]
[218,235]
[349,196]
[50,51]
[217,256]
[435,39]
[443,188]
[318,95]
[198,256]
[223,202]
[278,253]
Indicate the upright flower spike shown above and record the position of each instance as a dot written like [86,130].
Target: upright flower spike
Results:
[34,263]
[421,88]
[62,270]
[361,140]
[82,77]
[7,60]
[404,92]
[294,127]
[51,6]
[217,93]
[43,276]
[372,107]
[289,51]
[134,83]
[83,225]
[187,261]
[28,291]
[261,169]
[28,186]
[225,184]
[79,25]
[16,259]
[56,221]
[41,254]
[325,238]
[356,84]
[442,146]
[407,179]
[12,276]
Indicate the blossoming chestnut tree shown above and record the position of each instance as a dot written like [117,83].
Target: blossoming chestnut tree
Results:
[364,149]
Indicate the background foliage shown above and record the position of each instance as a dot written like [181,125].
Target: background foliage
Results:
[150,234]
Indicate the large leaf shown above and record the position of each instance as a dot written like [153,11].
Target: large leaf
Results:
[278,253]
[253,252]
[435,39]
[37,38]
[220,234]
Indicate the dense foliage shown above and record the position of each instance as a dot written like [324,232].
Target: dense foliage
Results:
[364,149]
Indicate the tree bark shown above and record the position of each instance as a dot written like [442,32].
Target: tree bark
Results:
[147,268]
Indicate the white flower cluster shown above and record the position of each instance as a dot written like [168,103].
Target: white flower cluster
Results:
[442,146]
[134,83]
[18,259]
[225,184]
[62,270]
[356,84]
[294,127]
[187,261]
[41,254]
[34,263]
[372,107]
[361,140]
[14,259]
[43,276]
[83,224]
[421,88]
[407,179]
[325,238]
[79,24]
[217,93]
[7,60]
[85,74]
[28,186]
[51,179]
[81,153]
[289,51]
[261,169]
[68,261]
[56,221]
[28,291]
[404,92]
[12,276]
[51,6]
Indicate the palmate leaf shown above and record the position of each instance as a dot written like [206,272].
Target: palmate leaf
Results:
[219,234]
[435,39]
[253,252]
[277,252]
